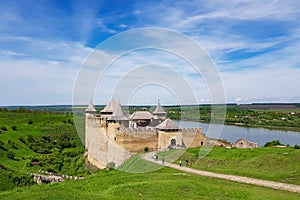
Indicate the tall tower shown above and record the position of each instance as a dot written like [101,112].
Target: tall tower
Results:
[90,115]
[159,113]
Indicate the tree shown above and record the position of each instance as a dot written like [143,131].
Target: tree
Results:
[273,143]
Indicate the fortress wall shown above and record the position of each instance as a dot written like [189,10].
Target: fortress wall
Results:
[193,137]
[165,137]
[97,144]
[217,142]
[117,154]
[137,142]
[111,143]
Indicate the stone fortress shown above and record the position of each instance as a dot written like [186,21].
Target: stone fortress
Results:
[113,137]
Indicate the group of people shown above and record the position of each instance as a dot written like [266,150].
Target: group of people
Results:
[186,163]
[155,157]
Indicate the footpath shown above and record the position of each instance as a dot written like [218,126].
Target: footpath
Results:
[241,179]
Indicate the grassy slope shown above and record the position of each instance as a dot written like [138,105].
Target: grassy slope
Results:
[43,124]
[163,184]
[271,163]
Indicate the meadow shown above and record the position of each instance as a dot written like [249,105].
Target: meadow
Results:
[165,183]
[267,163]
[30,141]
[48,141]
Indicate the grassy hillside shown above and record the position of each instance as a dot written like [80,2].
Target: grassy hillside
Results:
[270,163]
[30,141]
[33,141]
[163,184]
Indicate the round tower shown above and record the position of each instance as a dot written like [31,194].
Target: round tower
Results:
[90,115]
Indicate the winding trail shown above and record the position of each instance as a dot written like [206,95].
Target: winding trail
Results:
[241,179]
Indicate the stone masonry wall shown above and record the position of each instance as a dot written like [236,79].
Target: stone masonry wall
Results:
[112,143]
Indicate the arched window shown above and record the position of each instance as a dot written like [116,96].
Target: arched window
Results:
[173,142]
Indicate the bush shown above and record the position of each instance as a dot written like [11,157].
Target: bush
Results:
[11,155]
[14,128]
[13,144]
[110,166]
[70,121]
[273,143]
[146,149]
[30,138]
[21,138]
[3,128]
[297,146]
[22,179]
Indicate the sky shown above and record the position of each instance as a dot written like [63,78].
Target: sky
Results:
[254,44]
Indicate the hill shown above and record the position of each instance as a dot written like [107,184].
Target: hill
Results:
[163,184]
[41,140]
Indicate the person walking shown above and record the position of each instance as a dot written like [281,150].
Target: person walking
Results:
[186,163]
[180,163]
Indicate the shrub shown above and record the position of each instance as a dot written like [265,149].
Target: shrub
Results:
[3,128]
[110,166]
[70,121]
[21,138]
[146,149]
[273,143]
[13,144]
[30,138]
[297,146]
[11,155]
[14,128]
[22,179]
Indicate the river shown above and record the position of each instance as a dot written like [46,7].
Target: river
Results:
[258,135]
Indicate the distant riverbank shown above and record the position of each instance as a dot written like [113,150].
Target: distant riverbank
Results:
[259,135]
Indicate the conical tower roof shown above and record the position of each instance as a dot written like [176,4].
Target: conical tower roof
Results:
[158,109]
[90,108]
[109,108]
[168,124]
[118,113]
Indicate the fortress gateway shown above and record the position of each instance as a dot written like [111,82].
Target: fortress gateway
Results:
[112,137]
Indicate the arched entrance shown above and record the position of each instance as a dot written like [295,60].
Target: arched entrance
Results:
[173,142]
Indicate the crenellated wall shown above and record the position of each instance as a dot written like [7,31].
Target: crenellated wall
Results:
[108,142]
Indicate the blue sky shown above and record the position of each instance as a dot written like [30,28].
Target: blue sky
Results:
[254,44]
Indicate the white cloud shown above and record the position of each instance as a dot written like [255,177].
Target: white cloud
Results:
[38,71]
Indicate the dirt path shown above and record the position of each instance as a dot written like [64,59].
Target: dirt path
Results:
[241,179]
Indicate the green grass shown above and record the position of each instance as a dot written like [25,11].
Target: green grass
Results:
[67,161]
[137,165]
[43,124]
[270,163]
[163,184]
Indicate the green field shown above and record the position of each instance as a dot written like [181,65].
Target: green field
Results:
[163,184]
[269,163]
[50,139]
